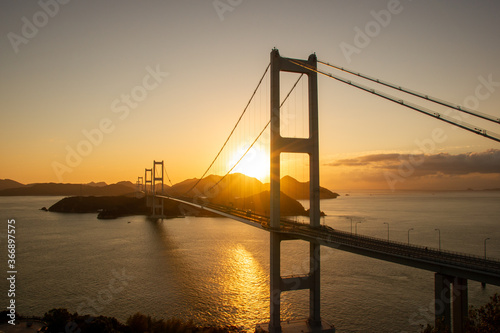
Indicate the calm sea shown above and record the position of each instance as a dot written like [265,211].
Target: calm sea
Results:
[216,271]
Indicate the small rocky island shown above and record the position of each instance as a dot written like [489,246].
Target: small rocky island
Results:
[107,207]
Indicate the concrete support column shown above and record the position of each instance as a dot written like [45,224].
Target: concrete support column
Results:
[460,304]
[315,290]
[451,295]
[442,303]
[275,292]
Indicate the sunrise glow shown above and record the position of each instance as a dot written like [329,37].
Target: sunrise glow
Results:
[254,164]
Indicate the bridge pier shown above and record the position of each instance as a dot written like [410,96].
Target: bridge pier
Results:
[314,289]
[275,295]
[275,247]
[281,284]
[442,304]
[451,297]
[460,305]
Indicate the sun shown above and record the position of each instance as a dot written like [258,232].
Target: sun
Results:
[255,163]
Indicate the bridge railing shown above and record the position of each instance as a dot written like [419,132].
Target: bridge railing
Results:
[457,256]
[326,233]
[467,256]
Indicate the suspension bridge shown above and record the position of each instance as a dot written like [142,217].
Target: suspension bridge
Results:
[285,130]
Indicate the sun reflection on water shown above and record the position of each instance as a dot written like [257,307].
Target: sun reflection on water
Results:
[244,286]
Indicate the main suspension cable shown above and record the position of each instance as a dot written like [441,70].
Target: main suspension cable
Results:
[257,138]
[232,131]
[417,94]
[166,173]
[466,126]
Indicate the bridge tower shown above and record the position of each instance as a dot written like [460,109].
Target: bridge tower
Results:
[310,146]
[157,176]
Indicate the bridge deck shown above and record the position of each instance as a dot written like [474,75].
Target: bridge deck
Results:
[445,262]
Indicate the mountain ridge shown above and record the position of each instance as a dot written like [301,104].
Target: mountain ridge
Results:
[58,189]
[239,185]
[229,188]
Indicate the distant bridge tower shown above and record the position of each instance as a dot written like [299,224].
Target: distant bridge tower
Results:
[158,172]
[310,146]
[140,184]
[148,180]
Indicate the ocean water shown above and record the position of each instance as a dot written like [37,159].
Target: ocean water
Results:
[216,270]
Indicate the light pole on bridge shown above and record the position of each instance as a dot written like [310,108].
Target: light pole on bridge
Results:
[356,226]
[409,235]
[485,247]
[387,230]
[439,232]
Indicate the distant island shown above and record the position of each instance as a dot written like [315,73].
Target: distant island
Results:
[244,184]
[12,188]
[123,199]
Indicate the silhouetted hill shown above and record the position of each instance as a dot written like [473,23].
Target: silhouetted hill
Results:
[182,187]
[238,186]
[128,184]
[98,184]
[260,203]
[233,186]
[300,190]
[48,189]
[9,183]
[120,205]
[166,188]
[235,190]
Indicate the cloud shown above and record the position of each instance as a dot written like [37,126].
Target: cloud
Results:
[365,160]
[487,162]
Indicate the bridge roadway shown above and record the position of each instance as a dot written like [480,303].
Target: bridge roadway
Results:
[449,263]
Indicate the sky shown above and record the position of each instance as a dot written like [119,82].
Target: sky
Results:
[97,90]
